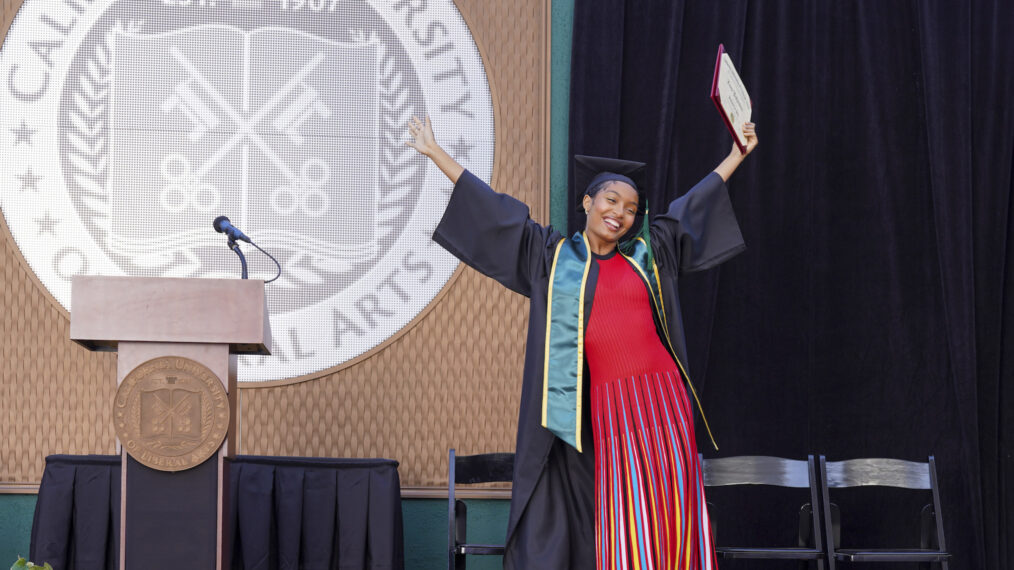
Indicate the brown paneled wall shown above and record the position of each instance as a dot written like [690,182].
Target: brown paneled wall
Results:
[451,380]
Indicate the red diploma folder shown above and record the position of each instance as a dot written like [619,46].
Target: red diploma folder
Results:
[731,97]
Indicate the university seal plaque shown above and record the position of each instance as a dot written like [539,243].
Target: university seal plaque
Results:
[171,413]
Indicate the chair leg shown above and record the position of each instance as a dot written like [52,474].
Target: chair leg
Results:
[460,524]
[927,528]
[804,538]
[451,512]
[928,535]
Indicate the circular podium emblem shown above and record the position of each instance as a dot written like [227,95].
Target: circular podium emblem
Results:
[171,413]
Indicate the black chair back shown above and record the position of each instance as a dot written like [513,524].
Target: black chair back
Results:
[470,470]
[885,472]
[777,472]
[485,468]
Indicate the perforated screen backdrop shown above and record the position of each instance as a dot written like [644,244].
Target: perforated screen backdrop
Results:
[140,122]
[127,126]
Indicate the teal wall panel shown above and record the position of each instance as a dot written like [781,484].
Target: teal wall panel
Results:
[563,33]
[16,512]
[426,532]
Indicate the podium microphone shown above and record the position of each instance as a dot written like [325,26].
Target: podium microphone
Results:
[222,225]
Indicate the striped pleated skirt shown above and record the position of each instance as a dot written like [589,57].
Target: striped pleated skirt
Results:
[649,496]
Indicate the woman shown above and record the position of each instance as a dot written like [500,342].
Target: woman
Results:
[603,363]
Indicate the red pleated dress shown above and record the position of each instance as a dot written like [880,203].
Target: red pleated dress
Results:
[649,497]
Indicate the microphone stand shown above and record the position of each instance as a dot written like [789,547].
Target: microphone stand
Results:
[242,260]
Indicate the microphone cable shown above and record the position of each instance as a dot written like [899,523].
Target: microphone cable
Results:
[278,265]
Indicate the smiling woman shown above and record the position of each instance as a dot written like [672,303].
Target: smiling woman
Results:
[604,360]
[611,208]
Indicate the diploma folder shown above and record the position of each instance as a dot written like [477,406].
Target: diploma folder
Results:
[731,97]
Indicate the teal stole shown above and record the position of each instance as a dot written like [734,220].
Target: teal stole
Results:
[563,372]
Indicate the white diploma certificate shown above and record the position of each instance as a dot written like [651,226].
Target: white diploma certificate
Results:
[731,97]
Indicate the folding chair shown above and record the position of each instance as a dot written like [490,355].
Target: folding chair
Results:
[465,470]
[885,473]
[779,472]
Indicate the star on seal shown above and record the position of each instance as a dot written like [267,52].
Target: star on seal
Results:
[23,134]
[47,224]
[30,181]
[461,149]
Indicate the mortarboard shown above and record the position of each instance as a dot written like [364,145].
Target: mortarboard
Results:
[589,171]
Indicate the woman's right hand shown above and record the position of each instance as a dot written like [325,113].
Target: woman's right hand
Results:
[422,136]
[424,142]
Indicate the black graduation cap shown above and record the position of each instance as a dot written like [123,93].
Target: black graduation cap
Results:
[589,171]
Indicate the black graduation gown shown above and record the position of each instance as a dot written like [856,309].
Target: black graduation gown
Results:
[551,521]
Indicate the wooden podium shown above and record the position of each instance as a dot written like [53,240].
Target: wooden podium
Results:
[175,410]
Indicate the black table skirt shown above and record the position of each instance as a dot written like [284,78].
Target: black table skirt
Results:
[286,513]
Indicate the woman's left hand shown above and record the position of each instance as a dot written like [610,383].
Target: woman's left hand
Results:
[735,158]
[750,130]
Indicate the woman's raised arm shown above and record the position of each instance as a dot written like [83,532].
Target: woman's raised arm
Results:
[735,158]
[492,232]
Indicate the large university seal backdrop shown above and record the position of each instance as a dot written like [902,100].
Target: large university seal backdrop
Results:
[135,124]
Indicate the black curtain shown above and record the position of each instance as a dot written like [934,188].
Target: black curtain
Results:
[870,315]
